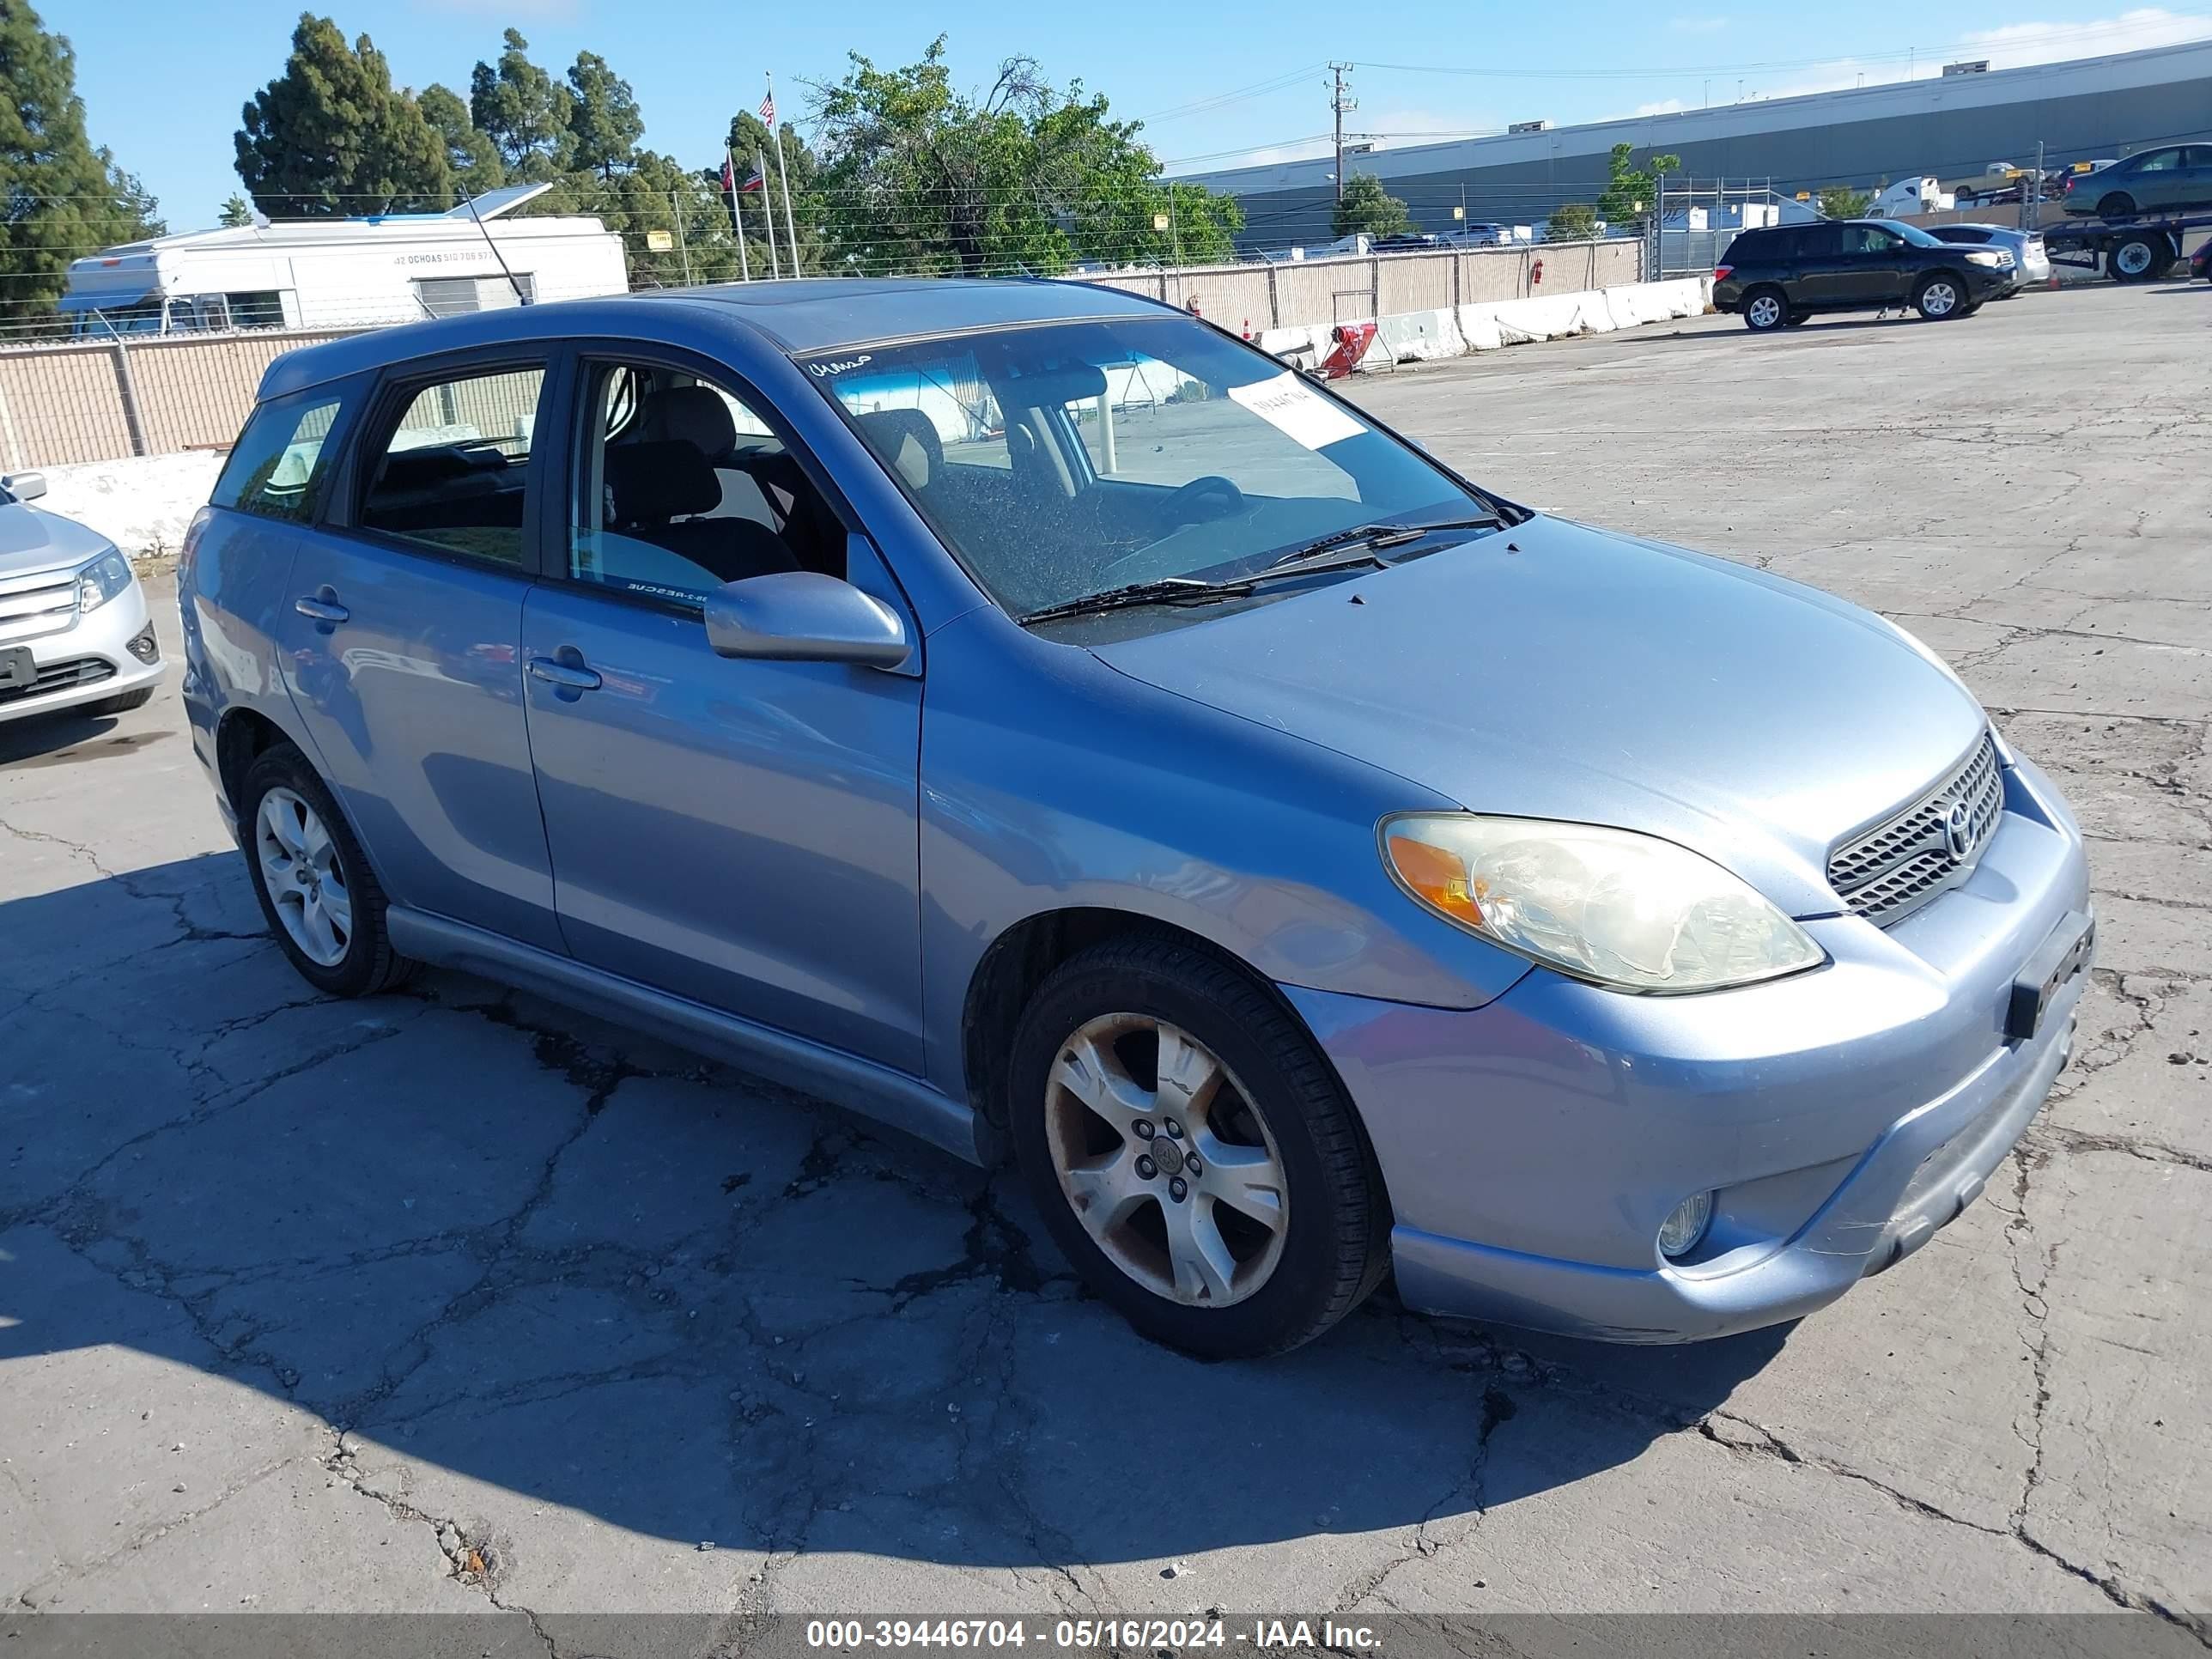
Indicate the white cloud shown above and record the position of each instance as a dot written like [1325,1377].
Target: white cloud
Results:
[1664,107]
[2135,30]
[1697,25]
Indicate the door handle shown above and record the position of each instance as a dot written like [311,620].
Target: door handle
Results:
[569,676]
[321,610]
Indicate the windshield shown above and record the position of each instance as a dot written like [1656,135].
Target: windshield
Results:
[1059,461]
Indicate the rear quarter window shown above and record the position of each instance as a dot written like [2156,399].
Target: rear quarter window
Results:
[277,466]
[1756,247]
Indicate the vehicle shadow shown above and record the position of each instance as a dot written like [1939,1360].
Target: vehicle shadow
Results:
[517,1258]
[52,737]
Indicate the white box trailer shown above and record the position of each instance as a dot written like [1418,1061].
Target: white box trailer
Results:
[345,273]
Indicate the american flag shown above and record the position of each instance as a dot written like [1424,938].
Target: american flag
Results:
[767,110]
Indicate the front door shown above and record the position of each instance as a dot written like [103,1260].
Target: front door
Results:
[401,630]
[740,834]
[1873,268]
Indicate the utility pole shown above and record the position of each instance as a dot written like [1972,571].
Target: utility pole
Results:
[1340,101]
[2031,199]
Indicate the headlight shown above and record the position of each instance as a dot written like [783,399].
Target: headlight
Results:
[102,580]
[1622,910]
[1989,257]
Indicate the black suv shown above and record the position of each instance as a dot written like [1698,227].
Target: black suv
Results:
[1779,278]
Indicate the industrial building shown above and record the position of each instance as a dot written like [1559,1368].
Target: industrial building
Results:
[1954,126]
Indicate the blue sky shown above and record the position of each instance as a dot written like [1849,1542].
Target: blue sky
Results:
[163,83]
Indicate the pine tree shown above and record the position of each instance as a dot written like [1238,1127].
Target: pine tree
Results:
[60,199]
[469,151]
[237,212]
[332,134]
[604,123]
[523,110]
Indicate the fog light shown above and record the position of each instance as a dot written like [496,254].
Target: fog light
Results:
[142,644]
[1680,1233]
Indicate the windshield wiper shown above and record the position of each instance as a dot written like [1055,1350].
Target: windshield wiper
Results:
[1372,535]
[1167,590]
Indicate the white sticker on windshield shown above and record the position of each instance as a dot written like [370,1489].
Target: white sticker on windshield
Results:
[1291,406]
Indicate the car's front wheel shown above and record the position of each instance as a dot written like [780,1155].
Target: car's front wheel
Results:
[1193,1153]
[1940,297]
[320,897]
[1764,308]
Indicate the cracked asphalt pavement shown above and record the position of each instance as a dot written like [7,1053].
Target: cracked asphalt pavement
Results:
[455,1300]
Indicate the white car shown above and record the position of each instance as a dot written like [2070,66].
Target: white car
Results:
[73,632]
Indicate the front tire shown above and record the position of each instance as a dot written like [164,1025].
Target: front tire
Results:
[321,900]
[1141,1057]
[1941,297]
[122,702]
[1765,310]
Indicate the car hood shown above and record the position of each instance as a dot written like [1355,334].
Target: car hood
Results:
[1555,671]
[31,541]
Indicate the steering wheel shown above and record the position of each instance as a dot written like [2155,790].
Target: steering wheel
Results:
[1180,507]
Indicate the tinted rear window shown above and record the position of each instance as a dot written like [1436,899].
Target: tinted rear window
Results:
[1754,246]
[277,466]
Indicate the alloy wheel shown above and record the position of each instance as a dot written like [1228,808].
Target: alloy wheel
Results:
[1165,1162]
[1939,300]
[306,880]
[1765,311]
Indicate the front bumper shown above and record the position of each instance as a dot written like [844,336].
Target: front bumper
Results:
[1532,1146]
[90,660]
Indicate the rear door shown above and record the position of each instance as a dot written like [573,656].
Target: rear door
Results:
[2193,187]
[401,630]
[2159,178]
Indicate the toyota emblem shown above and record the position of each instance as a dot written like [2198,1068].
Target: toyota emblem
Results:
[1957,830]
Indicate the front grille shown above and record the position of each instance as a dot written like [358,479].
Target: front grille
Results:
[33,605]
[1888,871]
[61,676]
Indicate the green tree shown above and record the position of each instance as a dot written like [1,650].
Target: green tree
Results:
[470,156]
[1842,202]
[1572,221]
[604,123]
[1366,207]
[332,134]
[523,110]
[60,198]
[917,176]
[237,212]
[1631,193]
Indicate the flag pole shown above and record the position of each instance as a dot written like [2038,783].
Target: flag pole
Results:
[737,218]
[783,177]
[768,210]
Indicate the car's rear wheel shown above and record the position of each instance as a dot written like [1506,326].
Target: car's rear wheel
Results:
[321,899]
[1764,309]
[1797,320]
[1941,297]
[2118,206]
[1192,1152]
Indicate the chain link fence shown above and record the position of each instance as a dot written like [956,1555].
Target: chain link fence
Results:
[98,400]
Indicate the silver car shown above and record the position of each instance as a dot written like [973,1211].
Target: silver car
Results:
[1031,714]
[2026,247]
[73,632]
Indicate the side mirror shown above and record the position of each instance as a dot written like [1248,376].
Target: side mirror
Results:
[24,486]
[803,616]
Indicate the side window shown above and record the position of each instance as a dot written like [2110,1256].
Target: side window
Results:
[681,486]
[452,471]
[1820,241]
[2159,161]
[1870,239]
[277,467]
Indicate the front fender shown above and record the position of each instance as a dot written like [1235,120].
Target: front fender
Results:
[1051,783]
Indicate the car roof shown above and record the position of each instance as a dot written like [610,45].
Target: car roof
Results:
[796,317]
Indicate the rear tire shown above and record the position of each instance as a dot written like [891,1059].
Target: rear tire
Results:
[123,701]
[321,900]
[1284,1229]
[2141,257]
[2118,206]
[1941,297]
[1765,310]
